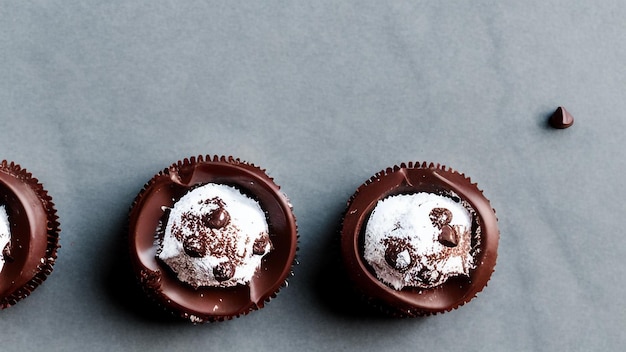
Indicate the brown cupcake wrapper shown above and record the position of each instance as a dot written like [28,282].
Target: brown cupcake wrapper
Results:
[405,303]
[17,184]
[156,278]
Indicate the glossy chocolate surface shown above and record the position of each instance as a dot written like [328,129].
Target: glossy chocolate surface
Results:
[211,303]
[34,233]
[561,118]
[407,179]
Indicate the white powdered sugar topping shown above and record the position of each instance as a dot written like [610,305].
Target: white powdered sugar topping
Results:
[419,240]
[215,236]
[5,233]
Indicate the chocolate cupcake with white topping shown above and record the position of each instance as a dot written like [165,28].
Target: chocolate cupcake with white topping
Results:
[29,233]
[419,239]
[212,238]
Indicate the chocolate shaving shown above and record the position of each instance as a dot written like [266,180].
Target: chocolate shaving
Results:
[261,243]
[6,253]
[440,217]
[197,245]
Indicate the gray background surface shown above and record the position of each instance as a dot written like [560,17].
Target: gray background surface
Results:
[96,97]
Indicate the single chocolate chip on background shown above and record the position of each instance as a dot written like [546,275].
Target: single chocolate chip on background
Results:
[561,118]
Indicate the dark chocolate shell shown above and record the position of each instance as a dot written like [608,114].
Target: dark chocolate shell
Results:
[208,304]
[34,233]
[406,179]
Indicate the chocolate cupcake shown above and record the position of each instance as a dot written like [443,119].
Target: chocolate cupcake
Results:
[419,239]
[29,234]
[212,238]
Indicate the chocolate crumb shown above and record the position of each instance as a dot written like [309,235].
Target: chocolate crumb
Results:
[261,243]
[6,252]
[561,118]
[150,278]
[440,217]
[196,246]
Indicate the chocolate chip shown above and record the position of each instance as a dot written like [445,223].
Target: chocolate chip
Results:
[6,253]
[398,255]
[261,243]
[561,118]
[196,246]
[427,276]
[448,236]
[440,217]
[224,271]
[217,219]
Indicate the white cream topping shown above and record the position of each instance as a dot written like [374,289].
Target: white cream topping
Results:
[402,240]
[229,245]
[5,233]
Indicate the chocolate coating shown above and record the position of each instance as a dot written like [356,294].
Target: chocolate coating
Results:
[406,179]
[34,233]
[211,303]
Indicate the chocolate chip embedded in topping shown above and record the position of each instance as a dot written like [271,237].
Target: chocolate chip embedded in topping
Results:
[196,246]
[217,219]
[448,236]
[440,217]
[398,255]
[427,276]
[6,253]
[224,271]
[260,244]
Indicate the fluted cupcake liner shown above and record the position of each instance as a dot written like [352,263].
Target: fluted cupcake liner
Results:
[410,178]
[34,228]
[205,303]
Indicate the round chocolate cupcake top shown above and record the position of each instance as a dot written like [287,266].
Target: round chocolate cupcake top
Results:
[212,238]
[29,233]
[419,239]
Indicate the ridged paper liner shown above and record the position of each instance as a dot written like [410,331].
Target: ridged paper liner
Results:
[405,181]
[151,280]
[17,185]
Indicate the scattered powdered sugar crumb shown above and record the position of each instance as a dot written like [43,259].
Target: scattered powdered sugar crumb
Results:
[195,319]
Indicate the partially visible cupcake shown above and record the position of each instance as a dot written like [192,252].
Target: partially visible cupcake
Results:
[212,238]
[29,234]
[419,239]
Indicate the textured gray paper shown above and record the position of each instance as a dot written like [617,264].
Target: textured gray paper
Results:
[98,96]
